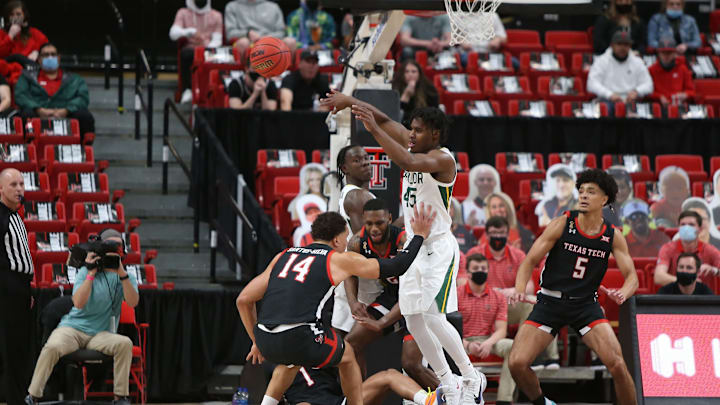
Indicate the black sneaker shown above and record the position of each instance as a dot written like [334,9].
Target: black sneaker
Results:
[552,364]
[29,400]
[121,401]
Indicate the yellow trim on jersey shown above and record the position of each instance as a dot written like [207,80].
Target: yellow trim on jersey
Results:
[446,195]
[445,289]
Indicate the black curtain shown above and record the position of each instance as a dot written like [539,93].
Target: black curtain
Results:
[191,333]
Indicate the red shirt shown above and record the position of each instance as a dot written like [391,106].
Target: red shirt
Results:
[479,312]
[666,83]
[707,253]
[504,270]
[51,86]
[648,248]
[18,45]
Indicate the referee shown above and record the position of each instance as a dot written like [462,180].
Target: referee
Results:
[16,272]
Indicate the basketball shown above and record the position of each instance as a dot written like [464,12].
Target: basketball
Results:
[270,57]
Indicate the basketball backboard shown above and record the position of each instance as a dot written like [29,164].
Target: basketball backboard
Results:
[509,7]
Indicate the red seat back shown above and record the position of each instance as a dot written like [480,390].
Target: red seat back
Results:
[692,164]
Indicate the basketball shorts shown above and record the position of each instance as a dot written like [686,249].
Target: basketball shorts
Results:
[551,314]
[305,345]
[382,305]
[315,387]
[430,280]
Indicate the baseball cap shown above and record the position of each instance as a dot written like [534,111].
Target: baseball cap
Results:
[308,54]
[635,206]
[621,37]
[562,171]
[666,45]
[109,233]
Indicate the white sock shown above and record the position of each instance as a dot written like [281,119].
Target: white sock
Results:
[429,346]
[446,377]
[450,340]
[269,401]
[420,397]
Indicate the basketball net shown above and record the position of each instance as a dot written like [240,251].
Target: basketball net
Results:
[471,21]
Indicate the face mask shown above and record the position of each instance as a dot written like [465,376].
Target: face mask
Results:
[687,233]
[480,277]
[623,8]
[683,278]
[667,66]
[619,59]
[673,14]
[50,63]
[498,242]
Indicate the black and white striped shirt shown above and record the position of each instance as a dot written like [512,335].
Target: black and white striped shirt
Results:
[15,252]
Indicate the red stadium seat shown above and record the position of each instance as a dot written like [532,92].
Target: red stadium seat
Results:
[569,108]
[285,189]
[422,59]
[698,189]
[544,91]
[580,65]
[44,216]
[201,73]
[527,59]
[93,218]
[11,130]
[707,91]
[462,186]
[20,156]
[476,65]
[517,107]
[714,164]
[511,179]
[461,107]
[144,274]
[614,280]
[463,160]
[321,156]
[568,42]
[495,90]
[68,158]
[715,21]
[83,187]
[37,187]
[272,163]
[622,110]
[44,249]
[692,164]
[448,98]
[555,158]
[55,132]
[645,173]
[676,112]
[523,41]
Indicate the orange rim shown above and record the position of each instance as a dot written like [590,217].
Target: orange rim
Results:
[424,13]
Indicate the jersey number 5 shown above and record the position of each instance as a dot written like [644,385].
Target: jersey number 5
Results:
[302,268]
[409,197]
[580,267]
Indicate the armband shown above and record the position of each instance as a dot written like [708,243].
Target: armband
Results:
[399,264]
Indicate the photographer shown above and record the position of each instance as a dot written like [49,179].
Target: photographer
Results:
[101,284]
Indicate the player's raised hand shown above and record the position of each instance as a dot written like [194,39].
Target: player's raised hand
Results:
[422,220]
[336,101]
[255,356]
[364,115]
[614,294]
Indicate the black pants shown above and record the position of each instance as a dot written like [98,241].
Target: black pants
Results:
[84,117]
[15,324]
[187,56]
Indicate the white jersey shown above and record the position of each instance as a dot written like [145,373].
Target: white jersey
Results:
[343,193]
[418,187]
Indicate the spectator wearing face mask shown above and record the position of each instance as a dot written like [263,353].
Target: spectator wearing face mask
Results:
[252,92]
[672,81]
[618,75]
[54,93]
[201,26]
[671,22]
[643,241]
[19,42]
[687,284]
[620,16]
[690,223]
[310,26]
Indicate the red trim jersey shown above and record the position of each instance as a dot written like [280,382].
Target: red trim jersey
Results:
[577,263]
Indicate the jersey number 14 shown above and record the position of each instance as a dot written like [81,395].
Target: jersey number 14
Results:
[302,268]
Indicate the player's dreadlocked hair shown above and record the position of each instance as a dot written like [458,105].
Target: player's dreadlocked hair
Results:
[605,181]
[434,119]
[327,226]
[341,161]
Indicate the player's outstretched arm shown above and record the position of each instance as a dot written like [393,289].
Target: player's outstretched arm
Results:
[539,249]
[434,161]
[245,303]
[351,283]
[352,264]
[337,101]
[627,268]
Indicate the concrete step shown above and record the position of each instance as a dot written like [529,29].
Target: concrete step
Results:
[99,81]
[172,233]
[126,150]
[111,123]
[157,206]
[108,99]
[142,179]
[188,266]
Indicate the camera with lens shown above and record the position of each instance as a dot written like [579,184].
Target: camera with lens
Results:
[79,252]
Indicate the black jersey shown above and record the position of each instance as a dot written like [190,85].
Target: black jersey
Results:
[577,263]
[390,284]
[300,284]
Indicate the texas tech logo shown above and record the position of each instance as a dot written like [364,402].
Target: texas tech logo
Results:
[379,162]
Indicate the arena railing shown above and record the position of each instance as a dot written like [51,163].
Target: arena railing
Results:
[169,148]
[144,72]
[114,56]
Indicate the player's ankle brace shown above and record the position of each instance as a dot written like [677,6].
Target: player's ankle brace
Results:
[399,264]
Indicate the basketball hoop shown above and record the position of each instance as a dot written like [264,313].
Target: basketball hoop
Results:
[471,21]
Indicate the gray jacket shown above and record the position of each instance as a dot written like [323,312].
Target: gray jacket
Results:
[261,16]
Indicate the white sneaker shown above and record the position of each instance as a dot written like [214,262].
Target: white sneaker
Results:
[473,389]
[186,96]
[450,395]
